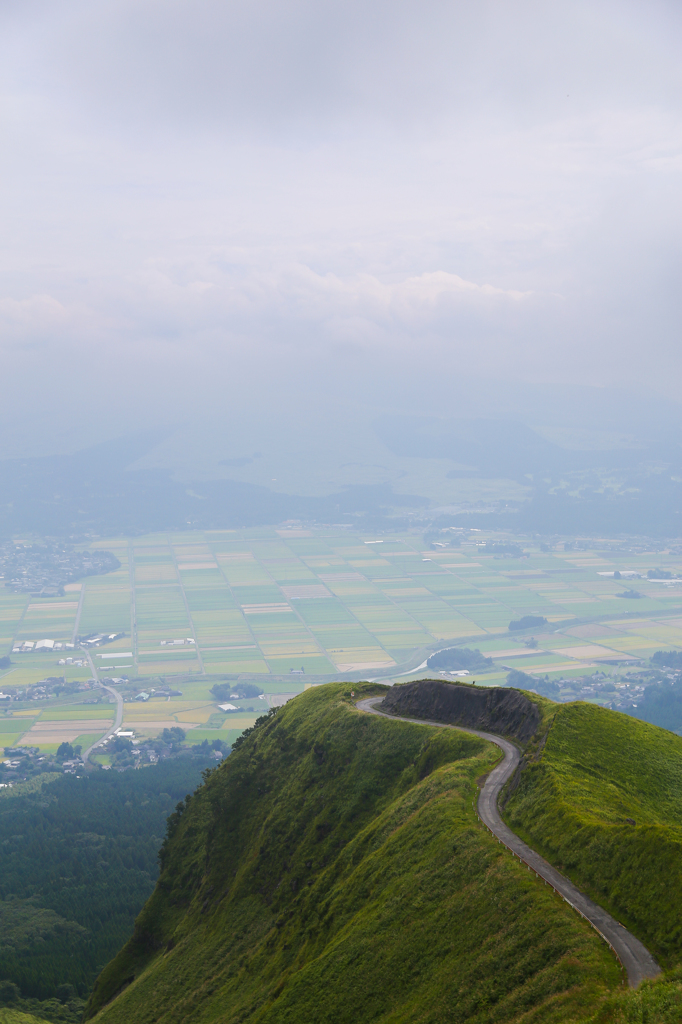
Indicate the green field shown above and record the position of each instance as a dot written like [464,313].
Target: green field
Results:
[292,607]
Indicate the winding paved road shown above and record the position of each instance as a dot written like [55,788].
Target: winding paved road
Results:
[117,722]
[635,958]
[119,711]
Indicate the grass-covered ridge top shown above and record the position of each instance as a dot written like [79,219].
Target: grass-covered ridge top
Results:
[524,717]
[604,804]
[334,869]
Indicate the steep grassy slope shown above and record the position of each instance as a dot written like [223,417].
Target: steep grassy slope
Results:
[598,769]
[333,870]
[17,1017]
[654,1002]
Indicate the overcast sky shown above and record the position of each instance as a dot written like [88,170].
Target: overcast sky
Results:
[211,203]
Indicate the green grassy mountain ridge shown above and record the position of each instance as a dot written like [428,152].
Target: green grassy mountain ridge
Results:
[334,869]
[598,793]
[604,804]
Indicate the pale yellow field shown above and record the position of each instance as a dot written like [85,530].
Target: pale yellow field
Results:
[305,650]
[406,592]
[62,732]
[160,708]
[153,727]
[239,721]
[51,606]
[463,628]
[594,629]
[162,668]
[582,653]
[198,717]
[155,573]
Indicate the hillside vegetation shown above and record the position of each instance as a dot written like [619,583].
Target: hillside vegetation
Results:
[17,1017]
[78,859]
[333,870]
[597,770]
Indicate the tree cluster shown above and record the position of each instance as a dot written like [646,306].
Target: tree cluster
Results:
[456,659]
[527,622]
[79,859]
[223,691]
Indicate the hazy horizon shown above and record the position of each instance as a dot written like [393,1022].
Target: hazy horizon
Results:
[284,221]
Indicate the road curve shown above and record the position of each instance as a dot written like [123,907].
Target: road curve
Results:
[635,957]
[119,712]
[117,722]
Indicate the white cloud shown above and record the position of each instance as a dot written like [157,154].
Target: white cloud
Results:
[38,311]
[493,187]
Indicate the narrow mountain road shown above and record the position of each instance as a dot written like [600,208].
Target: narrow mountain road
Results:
[635,958]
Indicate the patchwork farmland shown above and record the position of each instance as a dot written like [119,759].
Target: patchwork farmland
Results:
[290,607]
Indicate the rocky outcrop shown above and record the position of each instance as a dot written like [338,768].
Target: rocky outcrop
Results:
[495,709]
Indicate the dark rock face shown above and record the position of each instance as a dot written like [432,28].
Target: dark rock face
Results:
[490,709]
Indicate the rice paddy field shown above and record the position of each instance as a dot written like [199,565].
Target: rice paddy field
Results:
[288,608]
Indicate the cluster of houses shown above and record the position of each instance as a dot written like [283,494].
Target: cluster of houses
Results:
[97,639]
[41,645]
[144,696]
[94,640]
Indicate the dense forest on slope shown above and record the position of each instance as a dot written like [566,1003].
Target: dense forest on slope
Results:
[334,869]
[604,804]
[78,859]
